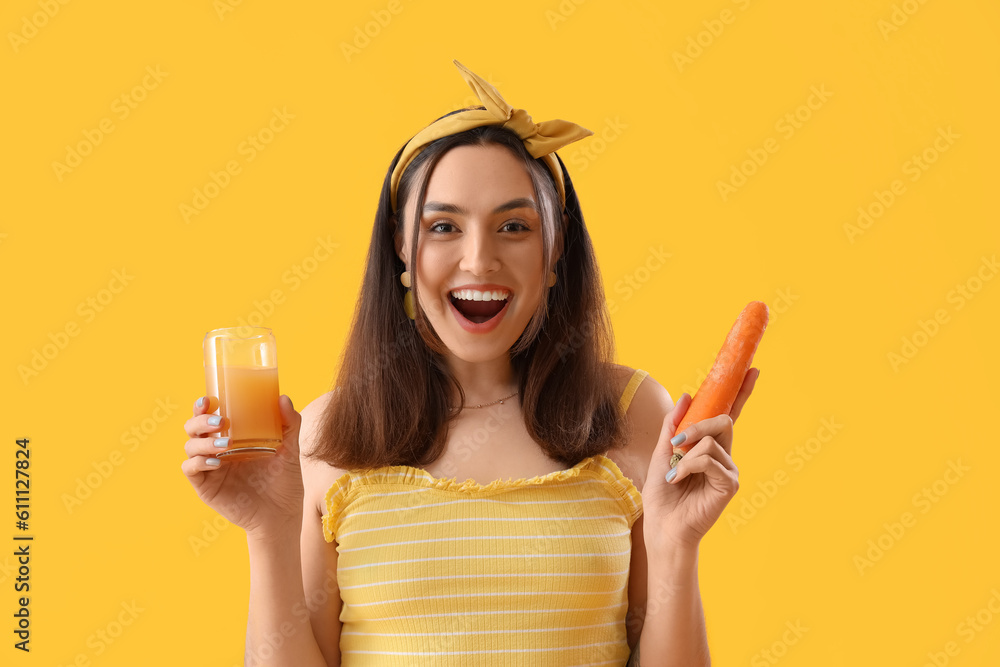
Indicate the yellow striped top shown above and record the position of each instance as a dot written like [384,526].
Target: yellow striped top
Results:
[528,572]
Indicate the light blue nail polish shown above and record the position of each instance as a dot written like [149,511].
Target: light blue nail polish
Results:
[672,474]
[678,439]
[200,402]
[222,442]
[214,420]
[212,462]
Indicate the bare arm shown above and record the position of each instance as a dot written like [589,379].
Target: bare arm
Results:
[319,557]
[674,629]
[666,625]
[682,503]
[294,597]
[266,498]
[278,633]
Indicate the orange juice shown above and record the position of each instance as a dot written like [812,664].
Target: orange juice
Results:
[248,403]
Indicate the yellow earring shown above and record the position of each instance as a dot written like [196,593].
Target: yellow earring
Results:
[404,278]
[552,278]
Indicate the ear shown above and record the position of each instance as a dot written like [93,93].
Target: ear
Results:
[397,238]
[558,249]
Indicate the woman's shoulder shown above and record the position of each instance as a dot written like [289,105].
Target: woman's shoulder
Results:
[649,396]
[648,406]
[317,475]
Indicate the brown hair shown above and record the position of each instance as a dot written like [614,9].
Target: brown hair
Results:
[390,404]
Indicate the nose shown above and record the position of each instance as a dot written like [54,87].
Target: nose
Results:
[479,253]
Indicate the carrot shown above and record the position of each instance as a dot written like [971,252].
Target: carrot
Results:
[717,393]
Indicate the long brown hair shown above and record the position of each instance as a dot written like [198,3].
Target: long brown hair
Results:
[390,402]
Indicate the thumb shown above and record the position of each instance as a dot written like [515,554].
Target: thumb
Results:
[660,461]
[680,409]
[664,450]
[291,421]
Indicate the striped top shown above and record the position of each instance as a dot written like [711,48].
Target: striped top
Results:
[529,572]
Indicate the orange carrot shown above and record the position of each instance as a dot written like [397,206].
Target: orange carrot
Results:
[717,393]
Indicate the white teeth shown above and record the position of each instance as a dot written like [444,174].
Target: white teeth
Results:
[476,295]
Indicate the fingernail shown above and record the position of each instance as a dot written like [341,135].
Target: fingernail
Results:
[678,439]
[672,474]
[222,442]
[201,402]
[214,420]
[212,462]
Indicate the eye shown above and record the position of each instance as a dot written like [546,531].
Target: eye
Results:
[516,226]
[441,227]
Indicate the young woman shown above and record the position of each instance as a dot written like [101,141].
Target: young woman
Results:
[483,485]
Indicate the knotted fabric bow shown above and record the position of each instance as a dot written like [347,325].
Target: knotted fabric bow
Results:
[541,139]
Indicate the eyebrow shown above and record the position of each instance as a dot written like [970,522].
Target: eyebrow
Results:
[521,202]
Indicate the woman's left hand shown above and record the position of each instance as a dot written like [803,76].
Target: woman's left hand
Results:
[677,514]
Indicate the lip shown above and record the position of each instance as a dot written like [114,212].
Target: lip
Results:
[480,327]
[482,287]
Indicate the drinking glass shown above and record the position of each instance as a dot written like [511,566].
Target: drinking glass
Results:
[241,373]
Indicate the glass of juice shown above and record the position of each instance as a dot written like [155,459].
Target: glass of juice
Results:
[241,380]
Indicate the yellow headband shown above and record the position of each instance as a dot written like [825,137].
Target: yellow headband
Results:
[542,139]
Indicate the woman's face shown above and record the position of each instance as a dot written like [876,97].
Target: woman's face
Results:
[479,263]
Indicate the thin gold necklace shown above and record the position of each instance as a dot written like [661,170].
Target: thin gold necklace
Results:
[485,405]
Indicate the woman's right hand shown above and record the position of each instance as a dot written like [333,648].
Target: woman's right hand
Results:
[261,495]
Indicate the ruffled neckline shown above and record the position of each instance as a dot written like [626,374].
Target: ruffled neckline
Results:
[412,476]
[351,483]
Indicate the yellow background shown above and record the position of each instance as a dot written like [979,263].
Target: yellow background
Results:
[893,75]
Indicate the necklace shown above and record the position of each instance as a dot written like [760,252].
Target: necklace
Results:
[484,405]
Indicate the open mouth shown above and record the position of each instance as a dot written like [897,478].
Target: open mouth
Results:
[477,306]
